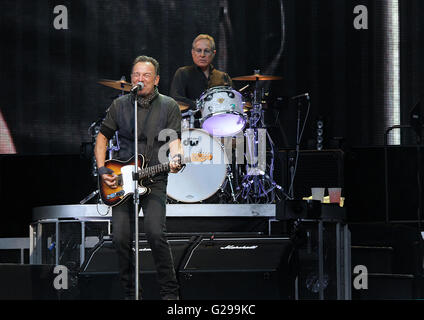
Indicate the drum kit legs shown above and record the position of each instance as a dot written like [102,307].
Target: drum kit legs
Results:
[224,121]
[258,185]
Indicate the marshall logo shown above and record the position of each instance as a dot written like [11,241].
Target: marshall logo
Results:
[233,247]
[142,249]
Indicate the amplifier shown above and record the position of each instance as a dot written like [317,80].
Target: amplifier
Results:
[99,275]
[239,268]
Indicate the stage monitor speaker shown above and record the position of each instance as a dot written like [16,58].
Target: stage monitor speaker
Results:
[253,268]
[99,276]
[27,282]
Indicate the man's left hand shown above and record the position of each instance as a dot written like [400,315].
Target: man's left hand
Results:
[175,164]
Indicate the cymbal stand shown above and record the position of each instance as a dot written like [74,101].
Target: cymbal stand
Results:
[257,184]
[111,147]
[115,140]
[191,114]
[93,131]
[230,182]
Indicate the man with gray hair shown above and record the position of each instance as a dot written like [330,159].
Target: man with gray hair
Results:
[190,82]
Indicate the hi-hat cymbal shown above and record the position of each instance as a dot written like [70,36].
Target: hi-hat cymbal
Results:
[257,76]
[247,106]
[116,84]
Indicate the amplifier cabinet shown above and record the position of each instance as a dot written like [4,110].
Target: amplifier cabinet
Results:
[99,275]
[239,268]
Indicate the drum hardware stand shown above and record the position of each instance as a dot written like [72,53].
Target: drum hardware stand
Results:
[90,196]
[191,114]
[93,130]
[230,177]
[111,147]
[255,179]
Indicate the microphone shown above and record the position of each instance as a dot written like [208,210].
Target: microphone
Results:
[137,87]
[300,96]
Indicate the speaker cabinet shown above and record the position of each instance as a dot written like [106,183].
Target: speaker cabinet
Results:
[239,268]
[99,276]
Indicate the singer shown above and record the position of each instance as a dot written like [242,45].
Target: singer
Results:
[155,112]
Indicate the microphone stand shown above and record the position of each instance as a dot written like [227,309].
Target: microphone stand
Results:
[136,198]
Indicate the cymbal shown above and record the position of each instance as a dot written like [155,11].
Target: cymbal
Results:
[248,105]
[182,106]
[116,84]
[257,76]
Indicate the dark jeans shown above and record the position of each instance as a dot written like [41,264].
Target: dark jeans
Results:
[154,212]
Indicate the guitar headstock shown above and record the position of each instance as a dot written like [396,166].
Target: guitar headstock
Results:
[200,157]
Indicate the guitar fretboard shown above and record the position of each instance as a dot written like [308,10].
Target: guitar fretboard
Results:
[162,167]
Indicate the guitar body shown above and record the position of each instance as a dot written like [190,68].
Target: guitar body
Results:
[125,188]
[124,172]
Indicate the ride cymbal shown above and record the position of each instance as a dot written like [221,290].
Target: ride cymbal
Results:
[255,77]
[116,84]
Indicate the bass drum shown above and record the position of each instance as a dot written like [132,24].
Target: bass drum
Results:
[198,180]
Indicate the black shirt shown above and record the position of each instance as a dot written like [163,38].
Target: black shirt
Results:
[163,113]
[190,82]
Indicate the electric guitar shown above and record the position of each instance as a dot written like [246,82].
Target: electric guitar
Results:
[124,171]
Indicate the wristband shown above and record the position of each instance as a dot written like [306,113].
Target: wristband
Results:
[103,170]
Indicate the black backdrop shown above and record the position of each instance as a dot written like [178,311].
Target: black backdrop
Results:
[48,79]
[49,94]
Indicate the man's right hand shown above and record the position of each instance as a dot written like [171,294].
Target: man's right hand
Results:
[108,177]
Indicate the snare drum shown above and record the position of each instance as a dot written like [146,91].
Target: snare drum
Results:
[222,111]
[198,180]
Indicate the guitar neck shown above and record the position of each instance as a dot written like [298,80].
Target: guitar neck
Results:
[159,168]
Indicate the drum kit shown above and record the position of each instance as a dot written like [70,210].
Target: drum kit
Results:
[230,127]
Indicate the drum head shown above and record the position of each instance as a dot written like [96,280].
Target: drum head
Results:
[222,111]
[198,180]
[224,124]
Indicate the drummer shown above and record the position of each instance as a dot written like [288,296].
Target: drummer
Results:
[190,82]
